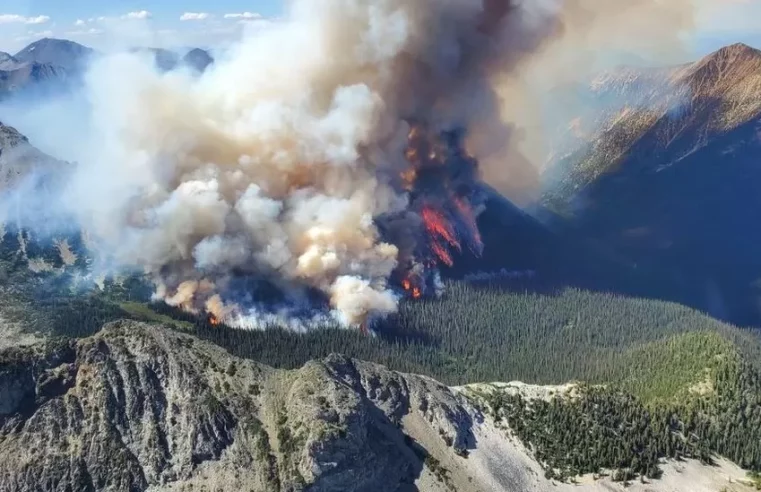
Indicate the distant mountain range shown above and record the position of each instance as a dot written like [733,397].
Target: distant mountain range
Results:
[54,63]
[167,60]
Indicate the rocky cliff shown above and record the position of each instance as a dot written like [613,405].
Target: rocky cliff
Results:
[141,407]
[18,157]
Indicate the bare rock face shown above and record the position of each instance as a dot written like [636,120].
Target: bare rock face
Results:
[19,158]
[104,414]
[139,407]
[144,408]
[10,137]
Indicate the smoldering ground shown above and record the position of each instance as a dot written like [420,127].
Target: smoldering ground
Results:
[279,162]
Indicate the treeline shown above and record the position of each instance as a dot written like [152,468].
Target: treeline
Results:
[495,329]
[650,353]
[598,432]
[472,333]
[475,333]
[604,429]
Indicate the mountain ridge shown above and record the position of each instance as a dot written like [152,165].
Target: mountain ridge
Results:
[68,55]
[138,406]
[52,64]
[19,158]
[715,94]
[689,142]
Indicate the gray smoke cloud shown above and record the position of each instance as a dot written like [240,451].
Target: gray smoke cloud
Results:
[275,163]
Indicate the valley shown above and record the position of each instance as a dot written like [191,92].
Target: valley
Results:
[628,295]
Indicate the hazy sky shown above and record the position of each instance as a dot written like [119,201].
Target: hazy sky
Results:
[112,23]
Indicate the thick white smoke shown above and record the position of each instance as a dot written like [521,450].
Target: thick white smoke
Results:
[275,163]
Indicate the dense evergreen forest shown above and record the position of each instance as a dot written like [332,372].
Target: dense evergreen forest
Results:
[601,429]
[676,382]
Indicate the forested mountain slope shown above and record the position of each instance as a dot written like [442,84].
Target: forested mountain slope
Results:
[690,374]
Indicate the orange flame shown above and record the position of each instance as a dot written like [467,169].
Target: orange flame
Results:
[412,155]
[415,131]
[213,320]
[428,154]
[413,290]
[437,225]
[442,254]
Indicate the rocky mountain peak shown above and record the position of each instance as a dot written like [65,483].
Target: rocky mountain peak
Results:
[10,137]
[18,157]
[736,52]
[138,406]
[198,59]
[730,72]
[6,59]
[57,52]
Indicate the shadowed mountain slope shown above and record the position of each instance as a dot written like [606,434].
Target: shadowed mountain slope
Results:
[670,178]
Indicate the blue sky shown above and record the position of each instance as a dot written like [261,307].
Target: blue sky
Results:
[100,23]
[172,23]
[162,10]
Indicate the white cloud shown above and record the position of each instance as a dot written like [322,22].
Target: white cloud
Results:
[20,19]
[194,16]
[139,15]
[40,19]
[245,16]
[124,30]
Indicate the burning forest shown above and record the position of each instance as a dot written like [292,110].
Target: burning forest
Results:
[443,192]
[323,180]
[316,184]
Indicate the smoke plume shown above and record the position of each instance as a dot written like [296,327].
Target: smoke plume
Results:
[593,36]
[328,156]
